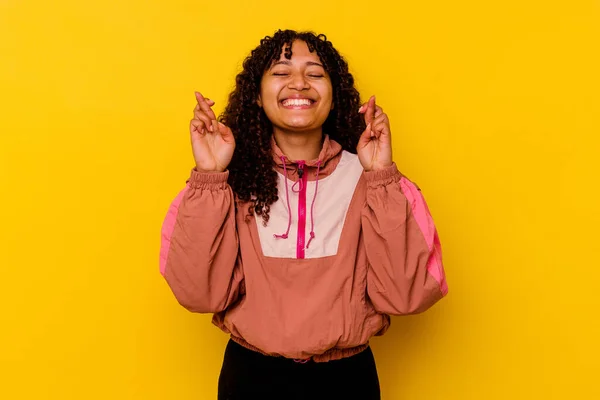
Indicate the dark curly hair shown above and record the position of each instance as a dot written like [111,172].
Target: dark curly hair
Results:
[251,173]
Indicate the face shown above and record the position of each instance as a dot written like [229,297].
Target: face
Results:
[296,94]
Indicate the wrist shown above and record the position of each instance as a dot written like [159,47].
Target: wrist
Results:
[379,167]
[208,171]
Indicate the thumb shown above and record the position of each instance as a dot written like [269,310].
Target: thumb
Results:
[224,131]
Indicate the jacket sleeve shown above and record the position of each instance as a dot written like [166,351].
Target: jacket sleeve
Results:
[199,247]
[405,273]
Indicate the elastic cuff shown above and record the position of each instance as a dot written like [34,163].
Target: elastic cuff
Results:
[208,180]
[383,177]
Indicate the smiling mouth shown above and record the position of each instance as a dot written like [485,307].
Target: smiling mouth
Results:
[297,103]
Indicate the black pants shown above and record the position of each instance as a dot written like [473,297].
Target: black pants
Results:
[248,375]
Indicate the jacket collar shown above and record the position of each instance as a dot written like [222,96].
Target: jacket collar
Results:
[329,156]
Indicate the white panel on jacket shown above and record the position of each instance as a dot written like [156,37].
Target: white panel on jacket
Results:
[331,206]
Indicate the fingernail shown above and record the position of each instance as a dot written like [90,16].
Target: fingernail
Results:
[361,109]
[210,128]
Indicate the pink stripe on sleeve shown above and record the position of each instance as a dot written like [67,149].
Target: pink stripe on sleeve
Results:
[425,221]
[167,230]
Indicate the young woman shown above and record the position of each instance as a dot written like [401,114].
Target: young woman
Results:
[296,228]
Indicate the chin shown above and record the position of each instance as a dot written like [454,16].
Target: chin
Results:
[299,125]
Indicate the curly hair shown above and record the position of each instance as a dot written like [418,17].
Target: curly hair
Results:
[251,173]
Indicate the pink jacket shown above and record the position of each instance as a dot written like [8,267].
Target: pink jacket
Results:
[344,249]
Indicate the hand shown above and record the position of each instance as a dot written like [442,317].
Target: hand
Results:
[212,142]
[375,144]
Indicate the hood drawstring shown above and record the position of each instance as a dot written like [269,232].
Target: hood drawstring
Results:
[301,165]
[287,198]
[312,207]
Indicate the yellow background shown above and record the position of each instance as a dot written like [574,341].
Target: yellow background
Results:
[494,108]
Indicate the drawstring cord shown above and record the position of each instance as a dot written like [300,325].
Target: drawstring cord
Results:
[299,182]
[312,207]
[287,198]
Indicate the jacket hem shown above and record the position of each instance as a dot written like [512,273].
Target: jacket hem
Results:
[329,355]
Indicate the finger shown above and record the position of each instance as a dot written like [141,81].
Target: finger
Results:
[204,106]
[381,125]
[197,108]
[370,110]
[365,137]
[205,120]
[363,107]
[377,131]
[381,118]
[378,111]
[197,126]
[381,130]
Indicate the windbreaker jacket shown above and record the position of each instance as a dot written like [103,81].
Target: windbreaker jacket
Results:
[344,249]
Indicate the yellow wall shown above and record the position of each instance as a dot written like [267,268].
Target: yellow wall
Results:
[494,112]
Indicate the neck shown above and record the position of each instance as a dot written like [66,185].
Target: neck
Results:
[299,145]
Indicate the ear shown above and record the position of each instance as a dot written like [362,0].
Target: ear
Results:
[259,101]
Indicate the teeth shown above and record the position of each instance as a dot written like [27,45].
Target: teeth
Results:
[297,102]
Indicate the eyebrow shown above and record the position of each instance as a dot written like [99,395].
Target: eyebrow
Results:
[287,62]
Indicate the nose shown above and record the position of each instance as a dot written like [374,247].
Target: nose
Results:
[298,82]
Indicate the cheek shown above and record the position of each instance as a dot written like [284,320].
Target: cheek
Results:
[265,93]
[327,96]
[269,90]
[327,91]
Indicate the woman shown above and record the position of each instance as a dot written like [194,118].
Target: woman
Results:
[296,228]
